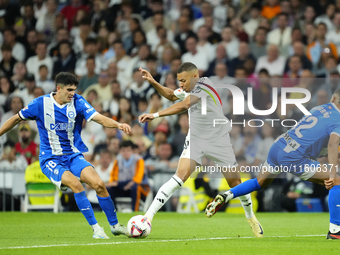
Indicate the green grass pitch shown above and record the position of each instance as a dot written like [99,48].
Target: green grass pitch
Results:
[68,233]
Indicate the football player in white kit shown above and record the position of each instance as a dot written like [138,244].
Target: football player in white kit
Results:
[203,139]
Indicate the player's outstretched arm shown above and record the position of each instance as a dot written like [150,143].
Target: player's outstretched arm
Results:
[332,159]
[164,91]
[9,124]
[110,123]
[172,110]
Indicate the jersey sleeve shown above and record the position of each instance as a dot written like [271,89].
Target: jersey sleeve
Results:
[335,129]
[85,109]
[180,93]
[31,111]
[203,88]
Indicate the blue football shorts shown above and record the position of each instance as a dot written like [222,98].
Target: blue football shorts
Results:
[55,166]
[279,161]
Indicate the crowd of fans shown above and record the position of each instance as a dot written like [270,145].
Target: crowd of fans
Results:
[249,43]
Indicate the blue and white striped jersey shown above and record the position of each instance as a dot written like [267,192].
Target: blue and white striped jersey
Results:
[59,125]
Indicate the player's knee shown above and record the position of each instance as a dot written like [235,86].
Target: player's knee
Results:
[99,187]
[183,176]
[76,186]
[234,182]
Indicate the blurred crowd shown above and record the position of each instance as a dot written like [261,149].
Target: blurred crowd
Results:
[248,43]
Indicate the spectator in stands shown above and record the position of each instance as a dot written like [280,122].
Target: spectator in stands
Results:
[298,49]
[126,175]
[90,50]
[121,60]
[103,169]
[252,24]
[138,40]
[137,133]
[18,50]
[66,62]
[230,42]
[69,11]
[6,89]
[273,62]
[184,33]
[25,147]
[19,75]
[38,92]
[163,42]
[10,161]
[152,35]
[45,23]
[8,61]
[90,78]
[62,35]
[179,137]
[320,45]
[102,88]
[32,39]
[200,58]
[239,32]
[85,31]
[206,10]
[112,105]
[46,84]
[140,88]
[263,93]
[327,17]
[280,36]
[136,62]
[160,134]
[333,35]
[271,9]
[285,7]
[221,57]
[213,37]
[291,77]
[162,168]
[33,63]
[268,136]
[204,45]
[28,17]
[251,144]
[243,55]
[27,93]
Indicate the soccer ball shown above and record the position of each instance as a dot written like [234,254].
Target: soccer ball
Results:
[139,226]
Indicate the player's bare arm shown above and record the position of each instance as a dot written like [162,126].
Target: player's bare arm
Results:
[164,91]
[9,124]
[110,123]
[332,159]
[172,110]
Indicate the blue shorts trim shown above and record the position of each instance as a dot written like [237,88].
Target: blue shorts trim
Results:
[55,166]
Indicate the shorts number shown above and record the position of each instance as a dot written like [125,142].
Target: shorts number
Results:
[52,164]
[186,145]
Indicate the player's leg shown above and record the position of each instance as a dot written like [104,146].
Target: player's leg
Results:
[83,203]
[319,177]
[185,168]
[91,177]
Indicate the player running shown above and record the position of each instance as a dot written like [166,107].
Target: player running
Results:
[203,138]
[59,117]
[298,149]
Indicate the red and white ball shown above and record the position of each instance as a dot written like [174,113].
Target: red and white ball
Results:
[139,226]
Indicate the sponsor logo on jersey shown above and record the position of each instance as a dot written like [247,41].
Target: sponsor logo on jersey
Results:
[71,114]
[87,105]
[61,126]
[89,110]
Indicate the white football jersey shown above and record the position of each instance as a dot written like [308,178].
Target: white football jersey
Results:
[212,125]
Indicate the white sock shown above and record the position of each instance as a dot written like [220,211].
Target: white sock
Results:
[95,227]
[163,195]
[247,205]
[334,228]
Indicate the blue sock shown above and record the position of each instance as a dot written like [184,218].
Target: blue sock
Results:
[246,188]
[333,203]
[108,207]
[85,207]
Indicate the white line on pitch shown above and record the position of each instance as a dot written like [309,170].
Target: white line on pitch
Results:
[148,241]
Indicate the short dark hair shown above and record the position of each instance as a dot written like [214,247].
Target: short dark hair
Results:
[91,58]
[264,70]
[66,79]
[43,66]
[65,42]
[6,47]
[283,14]
[125,144]
[90,40]
[187,67]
